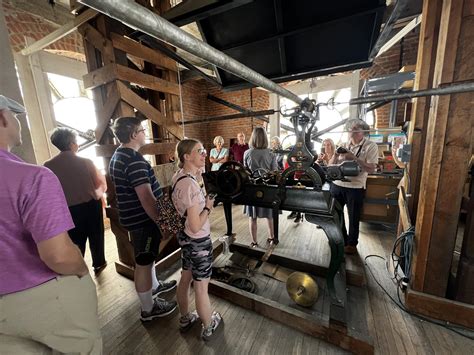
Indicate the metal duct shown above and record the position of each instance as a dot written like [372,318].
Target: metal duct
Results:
[454,88]
[140,18]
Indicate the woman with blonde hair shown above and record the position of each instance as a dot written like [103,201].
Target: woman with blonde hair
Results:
[328,149]
[219,155]
[259,157]
[189,198]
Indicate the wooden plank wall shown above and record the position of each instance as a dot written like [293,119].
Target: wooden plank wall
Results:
[120,71]
[448,149]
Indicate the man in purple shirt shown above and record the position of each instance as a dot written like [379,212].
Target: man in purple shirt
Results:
[47,297]
[238,149]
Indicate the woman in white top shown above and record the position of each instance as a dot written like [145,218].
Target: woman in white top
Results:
[189,198]
[219,155]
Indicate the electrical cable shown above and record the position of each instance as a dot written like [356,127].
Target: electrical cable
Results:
[400,304]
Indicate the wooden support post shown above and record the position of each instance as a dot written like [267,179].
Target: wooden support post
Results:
[425,64]
[38,102]
[440,308]
[61,65]
[110,72]
[448,149]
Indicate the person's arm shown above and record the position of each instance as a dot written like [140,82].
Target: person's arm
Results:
[61,255]
[138,174]
[334,159]
[225,157]
[147,200]
[397,160]
[367,166]
[245,159]
[212,159]
[98,179]
[322,158]
[273,163]
[197,217]
[45,215]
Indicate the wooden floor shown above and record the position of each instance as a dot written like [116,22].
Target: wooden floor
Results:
[244,332]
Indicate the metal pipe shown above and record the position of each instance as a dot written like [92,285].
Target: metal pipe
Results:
[232,117]
[138,17]
[155,44]
[445,90]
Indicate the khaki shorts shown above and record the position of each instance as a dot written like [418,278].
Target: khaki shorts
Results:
[59,315]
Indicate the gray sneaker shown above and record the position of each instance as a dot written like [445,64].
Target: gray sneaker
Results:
[207,332]
[164,286]
[161,308]
[187,321]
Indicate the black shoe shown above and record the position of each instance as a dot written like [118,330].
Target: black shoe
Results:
[164,286]
[98,269]
[292,215]
[161,308]
[298,218]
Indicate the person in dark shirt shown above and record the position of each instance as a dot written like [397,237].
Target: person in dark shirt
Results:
[83,186]
[137,189]
[238,149]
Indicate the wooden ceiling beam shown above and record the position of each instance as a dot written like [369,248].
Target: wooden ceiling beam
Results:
[60,32]
[112,72]
[139,50]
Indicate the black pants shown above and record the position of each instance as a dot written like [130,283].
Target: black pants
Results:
[354,199]
[89,221]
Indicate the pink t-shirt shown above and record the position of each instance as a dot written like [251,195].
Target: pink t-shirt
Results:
[33,209]
[188,193]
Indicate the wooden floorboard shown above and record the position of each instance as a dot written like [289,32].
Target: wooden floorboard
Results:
[244,332]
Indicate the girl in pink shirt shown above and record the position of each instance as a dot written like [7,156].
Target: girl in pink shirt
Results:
[189,198]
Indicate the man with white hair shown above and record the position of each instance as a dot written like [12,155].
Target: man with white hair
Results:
[48,300]
[351,193]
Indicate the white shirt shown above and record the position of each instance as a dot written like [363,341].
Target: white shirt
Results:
[369,153]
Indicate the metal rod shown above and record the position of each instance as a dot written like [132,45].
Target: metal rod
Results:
[329,129]
[86,145]
[138,17]
[244,110]
[234,106]
[445,90]
[375,130]
[230,117]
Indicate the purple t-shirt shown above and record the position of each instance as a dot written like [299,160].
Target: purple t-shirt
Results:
[33,209]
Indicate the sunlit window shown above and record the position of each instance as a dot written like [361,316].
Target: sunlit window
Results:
[327,116]
[75,109]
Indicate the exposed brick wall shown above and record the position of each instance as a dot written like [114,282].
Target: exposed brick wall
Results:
[196,104]
[389,63]
[21,24]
